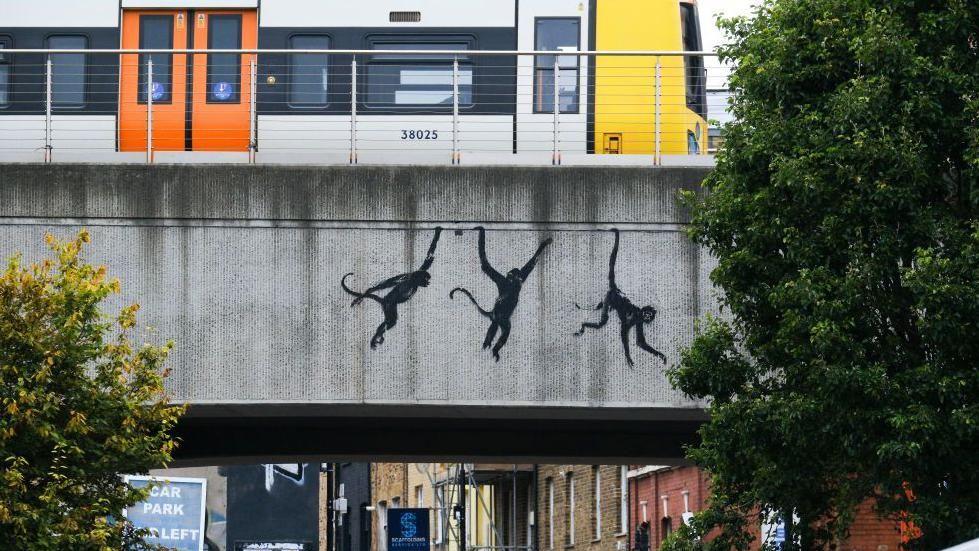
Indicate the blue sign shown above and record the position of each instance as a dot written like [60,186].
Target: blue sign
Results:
[222,90]
[173,512]
[408,530]
[157,91]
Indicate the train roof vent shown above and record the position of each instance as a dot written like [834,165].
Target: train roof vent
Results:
[405,17]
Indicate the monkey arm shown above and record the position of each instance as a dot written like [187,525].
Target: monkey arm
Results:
[612,258]
[529,266]
[389,282]
[430,257]
[641,342]
[484,262]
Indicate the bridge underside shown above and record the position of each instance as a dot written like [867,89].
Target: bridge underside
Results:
[246,433]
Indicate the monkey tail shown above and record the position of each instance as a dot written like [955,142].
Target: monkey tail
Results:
[472,298]
[343,283]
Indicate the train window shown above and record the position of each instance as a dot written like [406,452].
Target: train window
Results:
[558,34]
[693,145]
[695,75]
[223,70]
[399,80]
[4,72]
[156,33]
[67,71]
[309,72]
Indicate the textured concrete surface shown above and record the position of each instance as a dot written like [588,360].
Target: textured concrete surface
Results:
[241,267]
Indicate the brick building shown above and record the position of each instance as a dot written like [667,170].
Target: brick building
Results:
[582,507]
[663,496]
[498,503]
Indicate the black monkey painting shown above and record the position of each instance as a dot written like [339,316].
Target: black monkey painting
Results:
[508,289]
[403,287]
[630,315]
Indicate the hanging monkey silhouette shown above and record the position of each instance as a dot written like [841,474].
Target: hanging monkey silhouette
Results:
[508,288]
[403,287]
[630,316]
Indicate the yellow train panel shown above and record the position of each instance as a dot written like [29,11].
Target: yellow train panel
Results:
[625,86]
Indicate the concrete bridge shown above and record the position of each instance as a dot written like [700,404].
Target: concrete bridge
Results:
[242,267]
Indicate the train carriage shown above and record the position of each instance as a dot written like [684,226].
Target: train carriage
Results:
[422,97]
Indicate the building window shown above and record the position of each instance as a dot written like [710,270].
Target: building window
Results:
[382,524]
[407,80]
[4,72]
[223,70]
[665,528]
[156,33]
[419,496]
[309,72]
[442,510]
[623,499]
[556,34]
[550,513]
[396,502]
[696,77]
[596,476]
[67,71]
[569,509]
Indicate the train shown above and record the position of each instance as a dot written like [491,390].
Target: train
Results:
[313,101]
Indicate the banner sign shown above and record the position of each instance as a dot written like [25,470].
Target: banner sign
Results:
[408,530]
[173,512]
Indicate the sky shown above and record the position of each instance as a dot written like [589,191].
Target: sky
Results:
[708,9]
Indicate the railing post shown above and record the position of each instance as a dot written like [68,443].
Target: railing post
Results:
[252,113]
[47,111]
[149,110]
[556,155]
[658,94]
[456,156]
[353,111]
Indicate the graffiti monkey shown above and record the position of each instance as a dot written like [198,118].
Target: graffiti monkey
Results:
[508,288]
[630,315]
[403,287]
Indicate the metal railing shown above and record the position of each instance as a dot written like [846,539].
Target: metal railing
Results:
[351,106]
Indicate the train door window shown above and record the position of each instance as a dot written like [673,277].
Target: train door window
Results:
[308,79]
[4,72]
[693,146]
[224,69]
[405,80]
[695,75]
[67,71]
[558,34]
[156,33]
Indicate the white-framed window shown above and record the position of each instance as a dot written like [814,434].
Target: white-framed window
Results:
[623,499]
[382,524]
[569,510]
[420,496]
[440,513]
[596,478]
[550,513]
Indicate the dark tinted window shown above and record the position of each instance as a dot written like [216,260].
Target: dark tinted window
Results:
[67,71]
[558,34]
[4,73]
[696,77]
[223,70]
[156,33]
[308,84]
[395,80]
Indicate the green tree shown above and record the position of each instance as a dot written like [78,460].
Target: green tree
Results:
[842,214]
[81,404]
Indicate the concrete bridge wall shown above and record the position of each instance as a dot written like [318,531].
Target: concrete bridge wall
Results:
[241,267]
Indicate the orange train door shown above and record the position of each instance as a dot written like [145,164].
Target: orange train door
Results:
[216,116]
[156,29]
[221,86]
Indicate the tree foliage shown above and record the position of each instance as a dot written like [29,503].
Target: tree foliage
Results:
[81,404]
[842,213]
